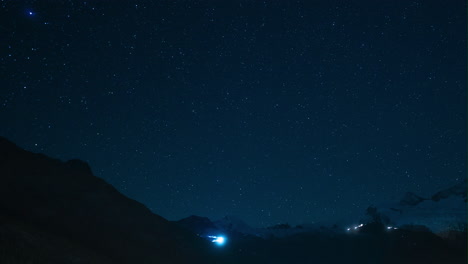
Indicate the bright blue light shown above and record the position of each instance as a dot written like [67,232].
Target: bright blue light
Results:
[30,13]
[219,240]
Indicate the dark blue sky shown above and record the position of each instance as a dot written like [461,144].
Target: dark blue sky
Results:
[272,111]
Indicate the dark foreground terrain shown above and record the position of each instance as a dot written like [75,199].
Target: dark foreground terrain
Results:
[400,246]
[58,212]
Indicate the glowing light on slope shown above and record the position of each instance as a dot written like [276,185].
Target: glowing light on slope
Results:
[219,240]
[355,227]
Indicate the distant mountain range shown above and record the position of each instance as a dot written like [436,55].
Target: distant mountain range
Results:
[444,211]
[233,226]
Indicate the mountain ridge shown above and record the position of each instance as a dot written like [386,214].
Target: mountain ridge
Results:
[65,199]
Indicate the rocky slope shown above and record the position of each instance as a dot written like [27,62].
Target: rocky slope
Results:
[54,201]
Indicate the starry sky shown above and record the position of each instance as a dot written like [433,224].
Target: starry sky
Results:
[271,111]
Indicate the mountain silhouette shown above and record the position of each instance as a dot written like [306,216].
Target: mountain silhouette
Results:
[55,208]
[456,190]
[58,212]
[411,198]
[445,211]
[199,225]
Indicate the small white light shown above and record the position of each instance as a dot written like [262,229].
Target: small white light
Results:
[348,229]
[389,227]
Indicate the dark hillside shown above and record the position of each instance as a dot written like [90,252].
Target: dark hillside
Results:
[64,199]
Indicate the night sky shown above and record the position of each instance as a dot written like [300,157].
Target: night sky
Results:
[271,111]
